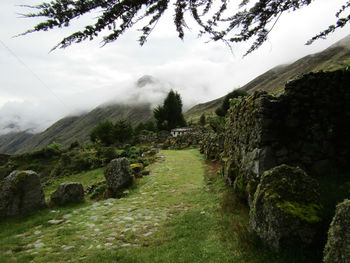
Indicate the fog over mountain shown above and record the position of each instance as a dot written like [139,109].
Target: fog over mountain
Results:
[37,87]
[24,115]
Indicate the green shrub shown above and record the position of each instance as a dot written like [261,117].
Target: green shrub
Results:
[106,154]
[98,192]
[230,99]
[73,145]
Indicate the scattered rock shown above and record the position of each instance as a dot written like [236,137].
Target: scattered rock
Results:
[118,175]
[286,207]
[67,216]
[55,222]
[67,193]
[337,249]
[39,245]
[21,192]
[69,247]
[147,234]
[125,245]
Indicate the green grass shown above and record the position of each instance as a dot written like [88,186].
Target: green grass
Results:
[182,212]
[85,178]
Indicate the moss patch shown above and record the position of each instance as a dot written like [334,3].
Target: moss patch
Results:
[306,212]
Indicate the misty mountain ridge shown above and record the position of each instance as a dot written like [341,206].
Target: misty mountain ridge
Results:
[149,92]
[135,107]
[23,116]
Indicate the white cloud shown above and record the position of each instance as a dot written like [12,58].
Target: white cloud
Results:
[85,75]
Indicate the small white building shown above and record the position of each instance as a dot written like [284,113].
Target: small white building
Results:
[180,131]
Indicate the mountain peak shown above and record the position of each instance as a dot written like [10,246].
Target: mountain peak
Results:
[145,80]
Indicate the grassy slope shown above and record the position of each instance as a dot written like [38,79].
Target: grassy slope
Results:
[274,79]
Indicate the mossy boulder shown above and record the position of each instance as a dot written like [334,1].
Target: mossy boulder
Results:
[337,249]
[67,193]
[118,176]
[21,192]
[286,207]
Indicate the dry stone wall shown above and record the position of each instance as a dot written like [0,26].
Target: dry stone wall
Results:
[308,127]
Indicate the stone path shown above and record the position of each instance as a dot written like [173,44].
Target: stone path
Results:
[110,224]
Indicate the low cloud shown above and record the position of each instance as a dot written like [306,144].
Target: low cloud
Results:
[83,76]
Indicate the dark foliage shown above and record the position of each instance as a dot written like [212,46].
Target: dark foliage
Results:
[108,133]
[202,120]
[217,19]
[145,126]
[103,132]
[169,116]
[222,110]
[122,131]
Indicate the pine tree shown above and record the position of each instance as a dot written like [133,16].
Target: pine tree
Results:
[202,120]
[222,110]
[169,116]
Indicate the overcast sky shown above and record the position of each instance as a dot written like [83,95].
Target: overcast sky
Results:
[38,87]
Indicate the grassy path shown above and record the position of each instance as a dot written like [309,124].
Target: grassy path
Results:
[170,216]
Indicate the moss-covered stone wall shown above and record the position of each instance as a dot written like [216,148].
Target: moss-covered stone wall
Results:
[308,126]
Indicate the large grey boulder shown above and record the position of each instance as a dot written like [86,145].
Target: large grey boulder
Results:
[118,175]
[21,192]
[68,193]
[337,249]
[286,207]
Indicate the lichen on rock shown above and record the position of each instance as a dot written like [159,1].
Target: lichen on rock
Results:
[118,176]
[67,193]
[21,192]
[286,207]
[337,249]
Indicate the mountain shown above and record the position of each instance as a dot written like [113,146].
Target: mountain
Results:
[74,128]
[12,142]
[208,108]
[78,128]
[332,58]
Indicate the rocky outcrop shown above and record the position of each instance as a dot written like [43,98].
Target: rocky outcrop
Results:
[21,192]
[337,249]
[67,193]
[286,207]
[118,176]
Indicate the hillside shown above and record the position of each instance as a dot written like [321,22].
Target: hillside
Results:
[208,108]
[11,142]
[76,128]
[274,80]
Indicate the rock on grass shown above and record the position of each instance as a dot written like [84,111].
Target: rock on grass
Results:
[67,193]
[286,207]
[21,192]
